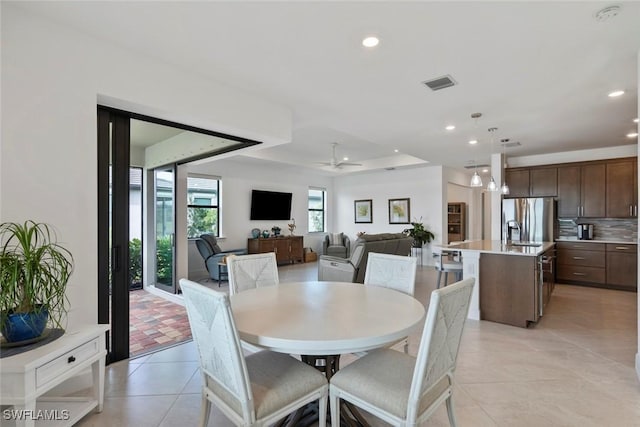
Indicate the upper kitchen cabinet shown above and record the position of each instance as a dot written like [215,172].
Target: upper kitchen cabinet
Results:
[581,191]
[532,182]
[622,189]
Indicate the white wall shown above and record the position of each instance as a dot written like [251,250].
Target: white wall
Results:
[422,185]
[52,77]
[239,178]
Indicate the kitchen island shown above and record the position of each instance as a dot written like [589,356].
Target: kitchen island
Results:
[509,282]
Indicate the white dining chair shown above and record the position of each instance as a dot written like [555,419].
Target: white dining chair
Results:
[252,271]
[403,390]
[254,391]
[394,272]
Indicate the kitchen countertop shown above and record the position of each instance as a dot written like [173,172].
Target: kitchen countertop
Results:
[498,247]
[575,239]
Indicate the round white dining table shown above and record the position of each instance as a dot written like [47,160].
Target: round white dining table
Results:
[322,318]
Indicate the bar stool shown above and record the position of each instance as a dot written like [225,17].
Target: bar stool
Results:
[447,262]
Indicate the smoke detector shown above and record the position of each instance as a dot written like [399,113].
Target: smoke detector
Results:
[607,13]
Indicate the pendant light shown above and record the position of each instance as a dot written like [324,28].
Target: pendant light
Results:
[476,180]
[492,186]
[505,187]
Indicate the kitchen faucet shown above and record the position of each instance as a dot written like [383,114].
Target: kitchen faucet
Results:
[507,237]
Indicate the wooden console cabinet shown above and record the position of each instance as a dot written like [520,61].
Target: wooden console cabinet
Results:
[27,376]
[288,249]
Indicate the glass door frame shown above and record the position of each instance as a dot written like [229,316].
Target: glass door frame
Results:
[170,287]
[113,230]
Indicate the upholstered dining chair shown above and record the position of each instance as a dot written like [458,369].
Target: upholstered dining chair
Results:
[403,390]
[257,390]
[392,271]
[252,271]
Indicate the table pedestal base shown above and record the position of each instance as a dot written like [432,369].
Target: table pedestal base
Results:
[307,416]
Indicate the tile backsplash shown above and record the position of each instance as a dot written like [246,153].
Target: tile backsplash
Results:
[603,229]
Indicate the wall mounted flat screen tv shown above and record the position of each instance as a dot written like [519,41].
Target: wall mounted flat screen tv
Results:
[270,205]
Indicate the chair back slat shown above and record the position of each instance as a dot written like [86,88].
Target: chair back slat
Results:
[252,271]
[446,316]
[391,271]
[215,335]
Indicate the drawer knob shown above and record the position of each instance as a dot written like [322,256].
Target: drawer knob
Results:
[579,274]
[624,248]
[71,359]
[578,257]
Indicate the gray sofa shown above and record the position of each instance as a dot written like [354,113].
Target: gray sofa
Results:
[352,269]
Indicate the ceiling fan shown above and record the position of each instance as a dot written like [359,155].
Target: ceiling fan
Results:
[334,163]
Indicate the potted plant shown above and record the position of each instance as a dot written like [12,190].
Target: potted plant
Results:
[419,233]
[34,271]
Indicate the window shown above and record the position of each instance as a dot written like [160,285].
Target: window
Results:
[317,208]
[203,207]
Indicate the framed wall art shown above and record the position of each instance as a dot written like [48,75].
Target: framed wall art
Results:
[399,211]
[362,211]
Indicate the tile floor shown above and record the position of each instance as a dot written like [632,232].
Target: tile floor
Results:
[575,368]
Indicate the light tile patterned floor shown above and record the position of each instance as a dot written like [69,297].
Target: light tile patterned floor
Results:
[575,368]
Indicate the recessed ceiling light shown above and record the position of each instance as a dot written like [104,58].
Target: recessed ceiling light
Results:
[345,158]
[473,141]
[450,127]
[485,170]
[632,135]
[396,151]
[616,93]
[635,120]
[370,41]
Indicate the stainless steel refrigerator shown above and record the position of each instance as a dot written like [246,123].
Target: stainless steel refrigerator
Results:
[529,219]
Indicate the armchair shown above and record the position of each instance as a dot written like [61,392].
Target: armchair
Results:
[336,244]
[212,254]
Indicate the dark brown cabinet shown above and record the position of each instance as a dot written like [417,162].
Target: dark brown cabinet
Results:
[532,182]
[544,182]
[622,189]
[622,266]
[518,181]
[598,264]
[581,191]
[581,263]
[288,249]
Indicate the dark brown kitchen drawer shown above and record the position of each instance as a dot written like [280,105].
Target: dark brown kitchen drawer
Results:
[621,247]
[585,246]
[581,258]
[581,274]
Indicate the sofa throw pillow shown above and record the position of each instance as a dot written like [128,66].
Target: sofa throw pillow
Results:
[335,239]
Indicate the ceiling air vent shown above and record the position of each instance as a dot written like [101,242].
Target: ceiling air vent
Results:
[509,144]
[440,82]
[474,166]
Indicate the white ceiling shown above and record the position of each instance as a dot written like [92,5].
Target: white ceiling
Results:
[538,71]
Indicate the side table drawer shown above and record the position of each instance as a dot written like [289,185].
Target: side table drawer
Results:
[59,365]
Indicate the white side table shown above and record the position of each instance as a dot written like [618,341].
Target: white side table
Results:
[26,376]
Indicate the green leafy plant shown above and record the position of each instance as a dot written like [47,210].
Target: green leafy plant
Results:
[419,233]
[34,271]
[135,263]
